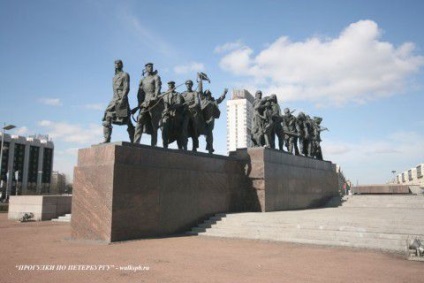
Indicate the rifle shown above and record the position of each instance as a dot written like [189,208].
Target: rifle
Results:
[158,98]
[292,134]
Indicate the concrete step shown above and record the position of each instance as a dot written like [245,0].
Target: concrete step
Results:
[302,232]
[398,246]
[373,228]
[374,240]
[350,227]
[63,218]
[385,197]
[382,222]
[345,215]
[382,227]
[416,190]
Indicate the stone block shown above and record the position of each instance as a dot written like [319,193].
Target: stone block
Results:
[44,207]
[124,191]
[135,191]
[283,181]
[381,189]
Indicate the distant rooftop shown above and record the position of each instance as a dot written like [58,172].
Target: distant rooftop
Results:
[242,94]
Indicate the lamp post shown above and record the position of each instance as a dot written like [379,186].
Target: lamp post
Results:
[4,129]
[40,182]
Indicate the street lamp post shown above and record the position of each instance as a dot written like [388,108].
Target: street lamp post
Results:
[394,176]
[40,182]
[4,129]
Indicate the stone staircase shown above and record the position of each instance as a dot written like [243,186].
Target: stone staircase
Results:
[362,221]
[64,218]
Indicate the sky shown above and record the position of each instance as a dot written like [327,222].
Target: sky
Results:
[358,64]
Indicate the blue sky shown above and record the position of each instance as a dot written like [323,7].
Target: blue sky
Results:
[358,64]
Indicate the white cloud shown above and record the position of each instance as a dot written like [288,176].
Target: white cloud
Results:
[74,133]
[190,67]
[51,101]
[45,123]
[337,149]
[94,106]
[145,35]
[354,67]
[73,151]
[230,46]
[371,161]
[21,131]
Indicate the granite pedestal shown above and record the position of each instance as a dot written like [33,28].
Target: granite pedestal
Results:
[281,181]
[124,191]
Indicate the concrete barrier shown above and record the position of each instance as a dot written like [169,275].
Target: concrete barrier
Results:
[381,189]
[44,207]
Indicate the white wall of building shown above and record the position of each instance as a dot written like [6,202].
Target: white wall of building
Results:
[27,142]
[413,176]
[239,120]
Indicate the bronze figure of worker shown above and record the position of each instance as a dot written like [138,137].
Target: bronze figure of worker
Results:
[118,110]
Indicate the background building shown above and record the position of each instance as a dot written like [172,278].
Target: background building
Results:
[413,176]
[239,120]
[58,183]
[27,164]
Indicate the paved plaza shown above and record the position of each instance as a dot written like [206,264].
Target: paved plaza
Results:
[42,252]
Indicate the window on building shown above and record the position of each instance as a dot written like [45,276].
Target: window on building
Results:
[419,171]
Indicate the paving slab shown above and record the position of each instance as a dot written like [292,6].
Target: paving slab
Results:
[186,259]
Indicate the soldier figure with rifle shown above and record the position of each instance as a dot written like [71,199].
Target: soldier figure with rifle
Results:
[257,135]
[172,119]
[305,131]
[290,131]
[193,120]
[277,119]
[149,105]
[316,139]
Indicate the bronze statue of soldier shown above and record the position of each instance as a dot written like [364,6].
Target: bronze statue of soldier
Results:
[291,134]
[267,123]
[118,110]
[172,119]
[277,118]
[193,121]
[210,111]
[257,135]
[149,105]
[316,139]
[305,134]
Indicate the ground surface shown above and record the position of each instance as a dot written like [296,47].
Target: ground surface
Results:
[45,245]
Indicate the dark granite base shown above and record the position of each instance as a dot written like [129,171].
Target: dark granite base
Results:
[381,189]
[283,181]
[124,191]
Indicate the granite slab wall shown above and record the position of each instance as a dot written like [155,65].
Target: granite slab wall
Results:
[124,191]
[381,189]
[283,181]
[44,207]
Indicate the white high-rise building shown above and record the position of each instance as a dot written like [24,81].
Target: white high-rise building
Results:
[239,120]
[26,164]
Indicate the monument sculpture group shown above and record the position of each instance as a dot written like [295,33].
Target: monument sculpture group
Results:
[268,122]
[180,116]
[192,113]
[122,191]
